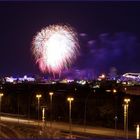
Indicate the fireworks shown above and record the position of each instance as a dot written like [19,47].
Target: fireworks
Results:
[55,48]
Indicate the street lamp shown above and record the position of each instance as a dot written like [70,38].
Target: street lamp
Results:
[137,131]
[43,114]
[1,94]
[115,117]
[70,99]
[51,94]
[38,96]
[43,108]
[43,117]
[126,105]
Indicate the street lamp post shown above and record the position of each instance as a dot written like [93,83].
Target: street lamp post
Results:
[70,99]
[126,105]
[38,96]
[51,94]
[1,94]
[137,131]
[43,117]
[43,114]
[115,117]
[43,108]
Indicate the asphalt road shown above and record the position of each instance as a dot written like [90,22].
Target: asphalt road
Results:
[91,131]
[7,132]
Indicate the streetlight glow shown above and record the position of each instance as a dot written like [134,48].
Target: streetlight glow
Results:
[114,90]
[137,131]
[70,99]
[50,93]
[1,94]
[126,100]
[38,96]
[126,105]
[43,114]
[115,117]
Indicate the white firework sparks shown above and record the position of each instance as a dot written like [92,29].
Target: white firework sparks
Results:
[55,48]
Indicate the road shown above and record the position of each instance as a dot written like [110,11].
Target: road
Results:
[7,132]
[106,132]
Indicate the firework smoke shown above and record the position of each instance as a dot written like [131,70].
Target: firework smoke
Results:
[55,48]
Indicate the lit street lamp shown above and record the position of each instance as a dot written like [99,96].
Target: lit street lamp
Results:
[137,131]
[38,96]
[115,117]
[1,94]
[43,109]
[126,105]
[51,94]
[43,116]
[70,99]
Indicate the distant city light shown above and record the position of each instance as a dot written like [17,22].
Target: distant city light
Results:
[19,79]
[101,77]
[82,82]
[114,90]
[108,90]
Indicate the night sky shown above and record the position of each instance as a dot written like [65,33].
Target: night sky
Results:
[109,34]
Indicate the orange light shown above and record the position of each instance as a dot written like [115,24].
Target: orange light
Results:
[126,100]
[1,94]
[38,96]
[70,99]
[114,90]
[50,93]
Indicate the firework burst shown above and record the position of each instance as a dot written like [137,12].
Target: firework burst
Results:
[55,48]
